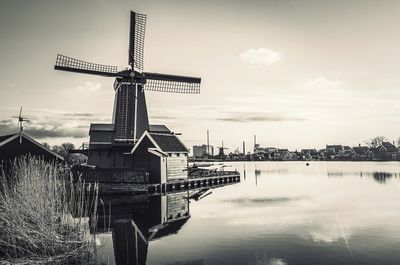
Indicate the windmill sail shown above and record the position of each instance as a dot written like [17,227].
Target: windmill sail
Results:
[69,64]
[172,83]
[136,40]
[130,118]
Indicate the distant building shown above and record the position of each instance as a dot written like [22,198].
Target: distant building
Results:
[390,152]
[346,153]
[280,154]
[375,154]
[333,151]
[200,151]
[310,154]
[360,152]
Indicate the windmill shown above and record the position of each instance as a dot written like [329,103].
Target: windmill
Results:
[20,126]
[221,150]
[130,118]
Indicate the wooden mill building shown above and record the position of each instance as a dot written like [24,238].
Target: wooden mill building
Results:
[159,152]
[163,155]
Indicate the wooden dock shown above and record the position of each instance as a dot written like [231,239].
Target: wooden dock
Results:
[123,188]
[136,181]
[195,183]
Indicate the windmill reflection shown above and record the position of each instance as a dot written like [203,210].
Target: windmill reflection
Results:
[144,219]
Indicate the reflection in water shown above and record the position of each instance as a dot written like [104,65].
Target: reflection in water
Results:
[380,177]
[134,225]
[255,202]
[295,215]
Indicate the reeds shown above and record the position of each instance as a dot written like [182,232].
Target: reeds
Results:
[43,214]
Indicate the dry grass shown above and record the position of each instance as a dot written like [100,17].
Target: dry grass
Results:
[43,217]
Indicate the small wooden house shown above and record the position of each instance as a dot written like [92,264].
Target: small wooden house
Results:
[14,145]
[162,155]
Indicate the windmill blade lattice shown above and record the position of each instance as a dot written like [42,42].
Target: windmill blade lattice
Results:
[136,40]
[172,83]
[172,86]
[70,64]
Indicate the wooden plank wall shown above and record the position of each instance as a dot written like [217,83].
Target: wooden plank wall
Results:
[176,167]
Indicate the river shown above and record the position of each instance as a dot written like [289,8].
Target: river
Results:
[280,213]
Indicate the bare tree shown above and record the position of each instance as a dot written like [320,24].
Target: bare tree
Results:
[63,149]
[376,141]
[46,145]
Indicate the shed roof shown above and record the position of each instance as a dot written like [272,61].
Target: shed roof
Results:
[6,139]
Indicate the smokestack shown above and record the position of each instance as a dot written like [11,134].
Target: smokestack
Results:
[255,142]
[208,143]
[244,148]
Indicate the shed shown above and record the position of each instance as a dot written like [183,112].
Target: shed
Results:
[17,144]
[162,155]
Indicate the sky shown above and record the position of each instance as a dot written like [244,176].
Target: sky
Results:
[298,74]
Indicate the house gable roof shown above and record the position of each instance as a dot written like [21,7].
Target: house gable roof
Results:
[375,151]
[166,143]
[360,150]
[389,147]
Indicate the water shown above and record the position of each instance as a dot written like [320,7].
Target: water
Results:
[280,213]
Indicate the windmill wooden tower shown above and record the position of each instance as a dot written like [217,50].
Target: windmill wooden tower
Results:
[130,118]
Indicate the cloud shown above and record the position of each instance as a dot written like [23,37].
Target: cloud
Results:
[321,83]
[259,117]
[89,87]
[261,56]
[162,117]
[90,117]
[7,126]
[41,131]
[56,125]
